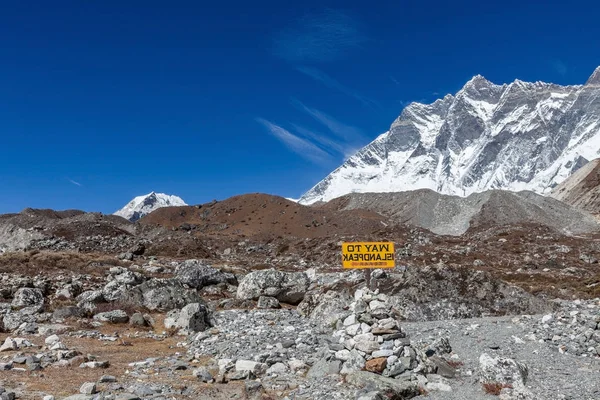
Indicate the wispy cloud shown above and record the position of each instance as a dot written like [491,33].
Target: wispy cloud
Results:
[326,143]
[303,147]
[395,80]
[331,83]
[322,37]
[341,130]
[74,182]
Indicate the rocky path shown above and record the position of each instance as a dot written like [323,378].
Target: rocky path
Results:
[552,375]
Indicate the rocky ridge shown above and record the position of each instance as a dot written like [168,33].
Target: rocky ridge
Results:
[517,136]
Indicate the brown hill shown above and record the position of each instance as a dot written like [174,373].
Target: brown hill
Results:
[582,189]
[265,215]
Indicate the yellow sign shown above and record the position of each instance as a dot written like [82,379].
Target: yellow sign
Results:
[368,255]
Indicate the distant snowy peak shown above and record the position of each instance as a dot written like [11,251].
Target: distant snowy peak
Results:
[517,136]
[143,205]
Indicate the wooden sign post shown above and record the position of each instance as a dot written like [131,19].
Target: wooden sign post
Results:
[368,255]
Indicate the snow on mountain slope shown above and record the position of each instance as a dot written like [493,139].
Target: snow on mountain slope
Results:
[518,136]
[143,205]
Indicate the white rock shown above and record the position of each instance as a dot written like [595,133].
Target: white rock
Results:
[277,368]
[364,328]
[365,337]
[342,355]
[252,366]
[349,343]
[439,386]
[88,388]
[502,370]
[58,346]
[350,320]
[518,340]
[50,340]
[547,318]
[296,365]
[352,330]
[359,294]
[376,304]
[382,353]
[9,345]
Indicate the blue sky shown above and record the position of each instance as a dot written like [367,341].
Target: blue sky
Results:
[101,101]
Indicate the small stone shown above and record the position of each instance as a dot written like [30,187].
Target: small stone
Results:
[88,388]
[376,365]
[107,379]
[58,346]
[265,302]
[50,340]
[114,317]
[252,366]
[9,345]
[203,374]
[547,318]
[382,353]
[127,396]
[367,347]
[94,364]
[277,368]
[296,365]
[437,383]
[342,355]
[352,330]
[376,304]
[350,320]
[137,319]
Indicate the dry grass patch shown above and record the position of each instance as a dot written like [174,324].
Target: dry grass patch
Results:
[32,263]
[66,381]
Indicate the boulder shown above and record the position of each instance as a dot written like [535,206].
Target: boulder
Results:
[326,309]
[91,296]
[114,289]
[194,317]
[160,295]
[113,317]
[28,297]
[14,320]
[197,275]
[287,287]
[504,371]
[67,312]
[127,277]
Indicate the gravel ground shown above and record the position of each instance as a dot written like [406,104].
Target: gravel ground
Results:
[552,375]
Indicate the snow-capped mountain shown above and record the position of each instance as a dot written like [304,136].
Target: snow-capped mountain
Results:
[518,136]
[143,205]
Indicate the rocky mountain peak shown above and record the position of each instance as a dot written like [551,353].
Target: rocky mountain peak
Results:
[595,78]
[518,136]
[143,205]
